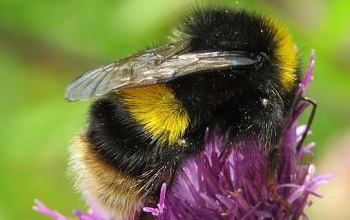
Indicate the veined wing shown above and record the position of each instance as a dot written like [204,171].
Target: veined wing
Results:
[157,65]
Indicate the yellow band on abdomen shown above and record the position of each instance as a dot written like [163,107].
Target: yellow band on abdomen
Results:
[157,111]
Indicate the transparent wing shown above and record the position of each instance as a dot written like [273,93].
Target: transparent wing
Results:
[160,64]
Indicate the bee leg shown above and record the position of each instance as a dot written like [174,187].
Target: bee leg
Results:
[273,159]
[309,121]
[287,208]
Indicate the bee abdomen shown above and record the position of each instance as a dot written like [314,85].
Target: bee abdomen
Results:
[111,193]
[117,164]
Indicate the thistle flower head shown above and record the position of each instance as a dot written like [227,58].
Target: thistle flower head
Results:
[234,183]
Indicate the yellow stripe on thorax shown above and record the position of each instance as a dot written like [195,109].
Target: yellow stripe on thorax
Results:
[158,112]
[286,55]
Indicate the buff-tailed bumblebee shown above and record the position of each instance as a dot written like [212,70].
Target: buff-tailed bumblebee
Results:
[232,71]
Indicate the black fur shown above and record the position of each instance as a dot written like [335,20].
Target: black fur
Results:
[240,104]
[122,143]
[232,102]
[229,30]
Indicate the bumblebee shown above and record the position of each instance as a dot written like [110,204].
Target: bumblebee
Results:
[232,71]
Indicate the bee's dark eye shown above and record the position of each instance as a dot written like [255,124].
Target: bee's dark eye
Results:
[262,60]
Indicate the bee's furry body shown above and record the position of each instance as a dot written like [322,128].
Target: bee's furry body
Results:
[142,135]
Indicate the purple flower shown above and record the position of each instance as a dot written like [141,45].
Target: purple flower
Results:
[43,209]
[234,184]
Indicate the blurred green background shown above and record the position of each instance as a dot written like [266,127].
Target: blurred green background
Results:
[46,44]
